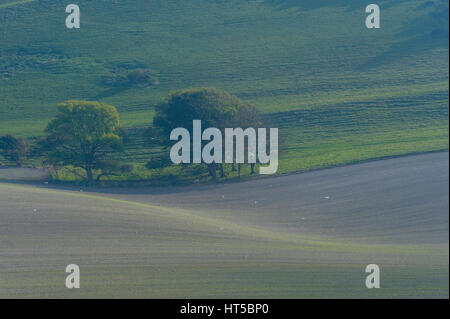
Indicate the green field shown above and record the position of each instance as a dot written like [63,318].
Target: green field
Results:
[339,92]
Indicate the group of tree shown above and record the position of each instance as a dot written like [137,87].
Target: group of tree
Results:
[87,136]
[215,108]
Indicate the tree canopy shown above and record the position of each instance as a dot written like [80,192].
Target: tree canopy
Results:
[83,134]
[215,108]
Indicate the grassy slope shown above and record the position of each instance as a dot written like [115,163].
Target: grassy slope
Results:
[130,249]
[340,92]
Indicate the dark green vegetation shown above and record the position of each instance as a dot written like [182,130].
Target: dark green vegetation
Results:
[257,239]
[339,92]
[14,149]
[214,107]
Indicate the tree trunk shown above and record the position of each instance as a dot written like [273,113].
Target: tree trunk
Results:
[90,176]
[239,169]
[252,166]
[212,171]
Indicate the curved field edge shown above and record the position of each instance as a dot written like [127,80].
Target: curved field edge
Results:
[135,250]
[291,240]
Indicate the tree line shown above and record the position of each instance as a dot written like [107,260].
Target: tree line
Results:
[87,136]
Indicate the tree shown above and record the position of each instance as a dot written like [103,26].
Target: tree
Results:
[84,135]
[215,108]
[14,149]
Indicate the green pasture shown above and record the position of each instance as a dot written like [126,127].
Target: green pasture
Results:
[339,92]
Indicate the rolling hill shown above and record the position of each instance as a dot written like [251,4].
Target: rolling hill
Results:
[305,235]
[339,92]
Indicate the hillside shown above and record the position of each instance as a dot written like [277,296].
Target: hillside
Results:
[300,236]
[339,92]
